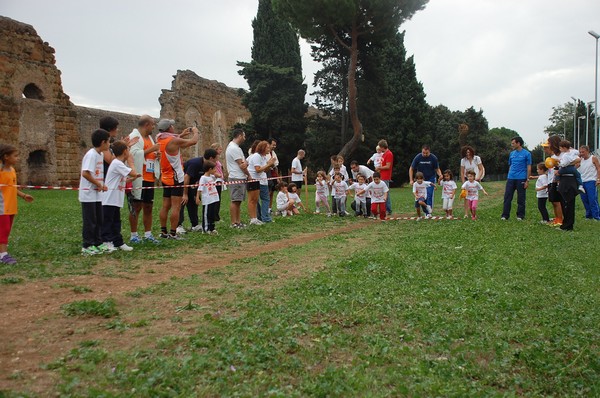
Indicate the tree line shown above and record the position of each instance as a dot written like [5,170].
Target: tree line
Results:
[366,89]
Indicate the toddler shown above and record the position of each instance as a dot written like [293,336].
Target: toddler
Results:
[376,158]
[420,192]
[448,191]
[360,200]
[208,194]
[293,195]
[9,157]
[541,188]
[322,192]
[340,189]
[472,187]
[378,191]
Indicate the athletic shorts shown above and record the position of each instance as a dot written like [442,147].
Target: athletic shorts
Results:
[237,192]
[419,200]
[147,195]
[253,186]
[173,190]
[553,194]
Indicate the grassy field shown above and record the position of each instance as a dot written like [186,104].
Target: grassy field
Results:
[358,308]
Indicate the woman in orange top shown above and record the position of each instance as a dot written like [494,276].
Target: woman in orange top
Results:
[9,156]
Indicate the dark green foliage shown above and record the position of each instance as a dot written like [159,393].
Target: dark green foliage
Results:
[276,96]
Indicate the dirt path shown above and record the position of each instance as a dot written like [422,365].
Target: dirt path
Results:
[33,331]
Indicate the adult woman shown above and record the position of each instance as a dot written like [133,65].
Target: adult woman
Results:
[589,168]
[257,167]
[470,162]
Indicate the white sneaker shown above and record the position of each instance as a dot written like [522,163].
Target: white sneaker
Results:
[581,189]
[284,213]
[429,210]
[125,247]
[180,229]
[428,215]
[256,221]
[317,211]
[197,228]
[107,247]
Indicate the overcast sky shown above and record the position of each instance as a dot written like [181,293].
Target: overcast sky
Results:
[515,59]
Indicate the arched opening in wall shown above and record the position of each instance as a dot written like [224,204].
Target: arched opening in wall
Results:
[32,91]
[38,170]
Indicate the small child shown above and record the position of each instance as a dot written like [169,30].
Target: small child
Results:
[472,187]
[340,190]
[91,184]
[448,192]
[294,197]
[360,200]
[568,158]
[284,205]
[9,157]
[112,200]
[378,191]
[322,193]
[207,192]
[376,158]
[541,187]
[330,181]
[420,192]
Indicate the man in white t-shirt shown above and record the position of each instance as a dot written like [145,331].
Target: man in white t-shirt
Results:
[362,170]
[238,174]
[297,171]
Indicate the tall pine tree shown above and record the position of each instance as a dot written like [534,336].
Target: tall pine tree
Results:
[276,91]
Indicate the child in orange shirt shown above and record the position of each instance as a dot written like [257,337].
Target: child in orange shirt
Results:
[9,156]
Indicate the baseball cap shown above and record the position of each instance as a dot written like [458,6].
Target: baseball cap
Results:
[164,124]
[545,144]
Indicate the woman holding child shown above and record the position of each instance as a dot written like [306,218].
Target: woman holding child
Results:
[470,162]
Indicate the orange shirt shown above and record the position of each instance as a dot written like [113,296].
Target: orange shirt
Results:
[8,195]
[151,157]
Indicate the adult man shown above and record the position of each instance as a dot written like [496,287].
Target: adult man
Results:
[427,163]
[385,169]
[590,175]
[297,171]
[238,174]
[362,170]
[144,153]
[171,170]
[519,171]
[193,169]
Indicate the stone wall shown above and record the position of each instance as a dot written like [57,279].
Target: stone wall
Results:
[52,134]
[35,114]
[212,106]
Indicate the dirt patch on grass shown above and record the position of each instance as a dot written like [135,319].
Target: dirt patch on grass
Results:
[34,331]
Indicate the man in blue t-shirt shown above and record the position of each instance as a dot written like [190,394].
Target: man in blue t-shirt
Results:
[519,171]
[427,163]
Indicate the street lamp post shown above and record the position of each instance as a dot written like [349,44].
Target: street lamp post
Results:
[596,36]
[577,142]
[587,122]
[574,117]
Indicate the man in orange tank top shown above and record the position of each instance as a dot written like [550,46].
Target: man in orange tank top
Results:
[171,169]
[144,153]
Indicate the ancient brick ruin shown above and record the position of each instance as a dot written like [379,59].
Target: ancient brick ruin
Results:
[52,133]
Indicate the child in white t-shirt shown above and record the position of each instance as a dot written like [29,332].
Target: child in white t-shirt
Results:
[472,187]
[378,192]
[208,194]
[322,192]
[340,189]
[567,163]
[117,175]
[376,158]
[541,188]
[360,196]
[420,192]
[285,206]
[448,192]
[294,197]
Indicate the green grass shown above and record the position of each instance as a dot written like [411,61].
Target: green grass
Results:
[430,308]
[106,308]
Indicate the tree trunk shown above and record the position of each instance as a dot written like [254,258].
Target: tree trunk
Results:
[351,145]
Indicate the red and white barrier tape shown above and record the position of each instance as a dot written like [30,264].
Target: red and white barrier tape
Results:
[155,187]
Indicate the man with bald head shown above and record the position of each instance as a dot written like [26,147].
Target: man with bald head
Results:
[144,153]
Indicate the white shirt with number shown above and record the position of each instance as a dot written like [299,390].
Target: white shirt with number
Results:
[421,189]
[377,191]
[94,163]
[448,188]
[356,187]
[473,189]
[208,190]
[116,178]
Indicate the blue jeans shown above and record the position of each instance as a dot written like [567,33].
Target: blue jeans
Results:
[513,185]
[430,191]
[263,204]
[388,201]
[590,200]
